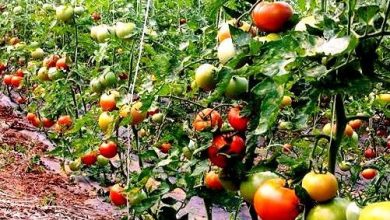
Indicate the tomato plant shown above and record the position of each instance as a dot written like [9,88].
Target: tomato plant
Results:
[209,97]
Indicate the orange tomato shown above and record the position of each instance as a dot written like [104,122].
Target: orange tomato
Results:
[207,119]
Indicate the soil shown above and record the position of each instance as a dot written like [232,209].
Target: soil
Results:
[32,185]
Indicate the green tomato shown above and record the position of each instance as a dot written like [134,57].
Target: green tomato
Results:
[109,79]
[285,125]
[204,77]
[187,153]
[64,13]
[102,33]
[236,87]
[75,165]
[249,186]
[96,86]
[136,197]
[376,211]
[333,210]
[157,118]
[17,10]
[55,74]
[345,166]
[102,161]
[43,74]
[124,30]
[353,211]
[38,53]
[229,180]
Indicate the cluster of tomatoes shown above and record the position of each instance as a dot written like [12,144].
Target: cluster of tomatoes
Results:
[15,80]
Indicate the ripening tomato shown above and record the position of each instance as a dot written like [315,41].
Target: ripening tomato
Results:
[50,61]
[7,79]
[238,122]
[21,100]
[348,130]
[355,124]
[165,147]
[62,63]
[369,173]
[286,101]
[273,201]
[271,17]
[89,158]
[65,120]
[47,123]
[137,116]
[108,149]
[321,187]
[117,195]
[286,148]
[2,67]
[96,16]
[212,181]
[369,153]
[16,81]
[105,121]
[107,102]
[207,119]
[223,32]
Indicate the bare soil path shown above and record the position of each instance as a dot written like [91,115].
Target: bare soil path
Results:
[31,184]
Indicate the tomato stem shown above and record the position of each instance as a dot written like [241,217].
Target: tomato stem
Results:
[341,122]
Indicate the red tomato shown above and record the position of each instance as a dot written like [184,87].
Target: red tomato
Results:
[207,119]
[65,120]
[237,122]
[369,153]
[16,81]
[271,17]
[388,144]
[212,181]
[19,72]
[117,196]
[237,146]
[109,149]
[31,116]
[273,201]
[36,122]
[165,147]
[7,79]
[89,159]
[227,145]
[51,61]
[369,173]
[47,123]
[62,64]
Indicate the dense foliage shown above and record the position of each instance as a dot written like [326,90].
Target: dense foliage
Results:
[206,95]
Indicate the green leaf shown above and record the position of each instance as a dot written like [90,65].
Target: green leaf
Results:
[367,13]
